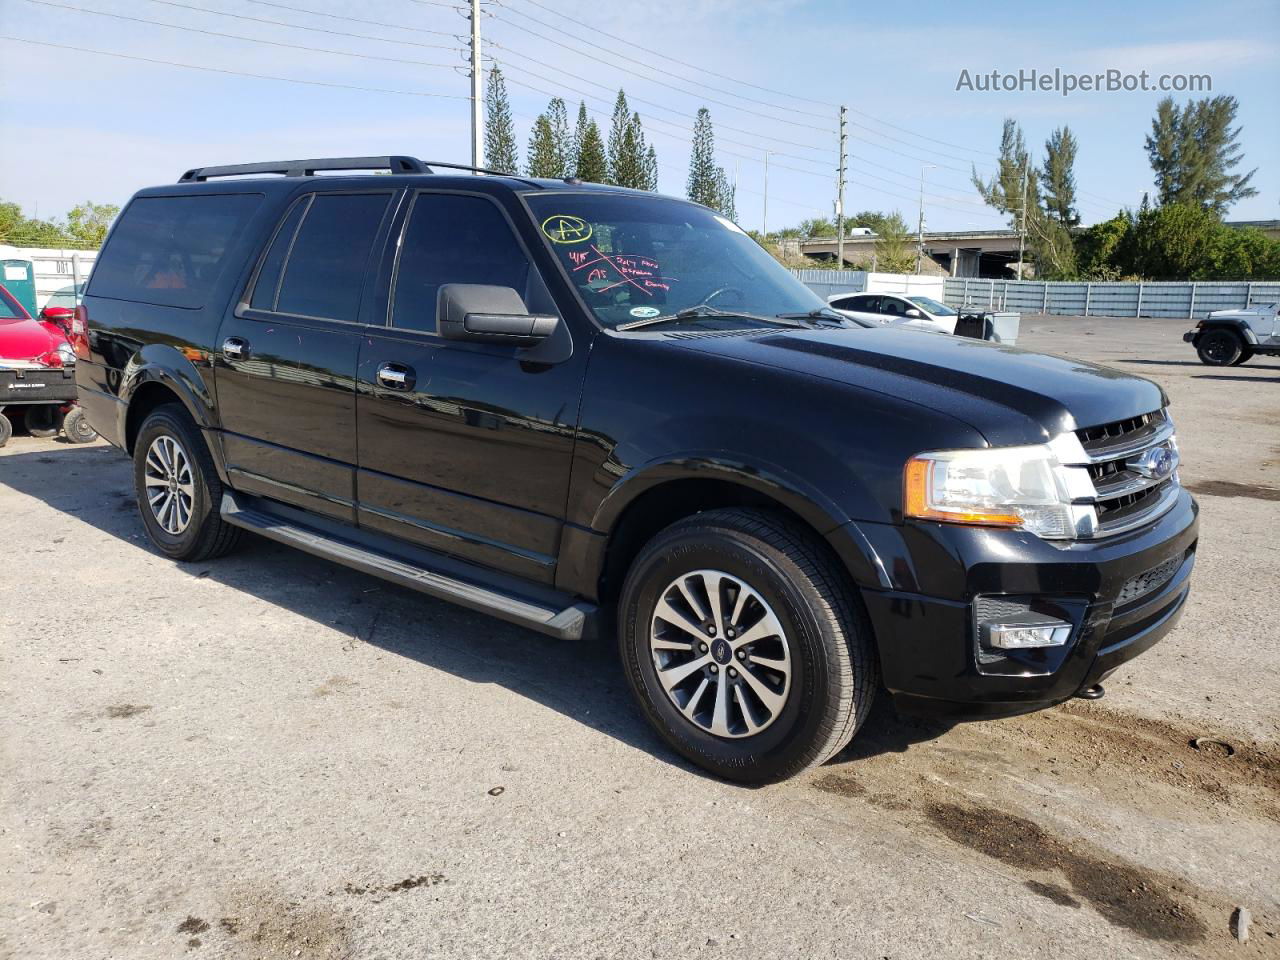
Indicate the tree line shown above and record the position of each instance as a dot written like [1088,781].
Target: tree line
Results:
[1194,152]
[624,159]
[85,225]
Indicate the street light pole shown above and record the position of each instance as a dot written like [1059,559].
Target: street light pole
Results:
[764,217]
[476,75]
[920,222]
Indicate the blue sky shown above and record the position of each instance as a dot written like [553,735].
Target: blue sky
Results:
[81,126]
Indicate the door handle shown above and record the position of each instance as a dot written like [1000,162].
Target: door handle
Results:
[396,376]
[235,348]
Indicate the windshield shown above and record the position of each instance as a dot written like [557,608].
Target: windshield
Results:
[10,309]
[638,257]
[932,306]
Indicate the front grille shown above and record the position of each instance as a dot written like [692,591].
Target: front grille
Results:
[1151,580]
[1118,460]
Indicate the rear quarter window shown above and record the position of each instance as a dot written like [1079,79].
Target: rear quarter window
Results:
[170,251]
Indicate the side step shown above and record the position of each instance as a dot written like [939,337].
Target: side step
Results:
[570,623]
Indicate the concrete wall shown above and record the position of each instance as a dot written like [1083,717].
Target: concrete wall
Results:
[827,282]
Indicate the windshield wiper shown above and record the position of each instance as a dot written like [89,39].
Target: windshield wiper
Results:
[699,312]
[822,313]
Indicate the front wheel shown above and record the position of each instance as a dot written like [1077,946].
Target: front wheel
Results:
[1220,348]
[744,646]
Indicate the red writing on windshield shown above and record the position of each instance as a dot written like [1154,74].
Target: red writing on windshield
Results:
[618,269]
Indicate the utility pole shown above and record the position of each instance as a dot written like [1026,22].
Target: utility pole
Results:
[1022,224]
[477,74]
[840,193]
[920,222]
[764,214]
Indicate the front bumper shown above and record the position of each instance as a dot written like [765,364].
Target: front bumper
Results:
[926,627]
[1190,336]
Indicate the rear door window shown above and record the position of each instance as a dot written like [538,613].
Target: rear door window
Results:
[325,271]
[268,284]
[170,251]
[455,239]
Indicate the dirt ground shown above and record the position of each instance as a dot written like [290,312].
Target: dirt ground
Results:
[271,756]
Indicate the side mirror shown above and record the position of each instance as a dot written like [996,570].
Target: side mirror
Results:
[487,314]
[62,316]
[913,314]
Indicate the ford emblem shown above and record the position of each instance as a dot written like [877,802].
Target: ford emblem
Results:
[1156,463]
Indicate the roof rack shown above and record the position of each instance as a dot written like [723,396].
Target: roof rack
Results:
[308,168]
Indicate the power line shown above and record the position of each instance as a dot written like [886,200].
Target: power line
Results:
[297,26]
[234,73]
[350,19]
[508,66]
[234,36]
[663,83]
[666,56]
[647,66]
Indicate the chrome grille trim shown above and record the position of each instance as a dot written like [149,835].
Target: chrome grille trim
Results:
[1100,479]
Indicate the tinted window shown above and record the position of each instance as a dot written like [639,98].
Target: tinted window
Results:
[326,269]
[454,239]
[171,250]
[845,303]
[10,309]
[268,283]
[892,306]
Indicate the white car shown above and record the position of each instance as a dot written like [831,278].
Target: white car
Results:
[1228,337]
[894,310]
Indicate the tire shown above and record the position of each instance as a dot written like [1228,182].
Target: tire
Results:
[6,429]
[1220,348]
[170,449]
[807,711]
[41,420]
[1245,356]
[76,427]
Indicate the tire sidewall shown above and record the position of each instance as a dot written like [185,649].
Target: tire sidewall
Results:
[41,421]
[6,429]
[73,423]
[1225,336]
[766,755]
[166,421]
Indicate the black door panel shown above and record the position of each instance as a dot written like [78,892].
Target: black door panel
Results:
[471,453]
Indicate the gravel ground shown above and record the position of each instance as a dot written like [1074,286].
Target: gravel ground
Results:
[271,756]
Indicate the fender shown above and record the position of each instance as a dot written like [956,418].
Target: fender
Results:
[175,369]
[1230,323]
[584,552]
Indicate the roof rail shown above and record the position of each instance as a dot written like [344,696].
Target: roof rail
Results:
[307,168]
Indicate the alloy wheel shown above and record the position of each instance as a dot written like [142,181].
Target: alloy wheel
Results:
[170,487]
[720,653]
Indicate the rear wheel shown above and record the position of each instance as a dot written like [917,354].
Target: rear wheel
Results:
[178,488]
[744,646]
[1220,348]
[76,427]
[41,420]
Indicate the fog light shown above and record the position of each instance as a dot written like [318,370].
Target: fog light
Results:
[1022,636]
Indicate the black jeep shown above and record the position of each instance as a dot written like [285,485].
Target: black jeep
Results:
[585,409]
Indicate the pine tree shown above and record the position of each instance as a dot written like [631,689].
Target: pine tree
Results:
[650,169]
[544,159]
[726,195]
[558,117]
[499,131]
[621,168]
[1058,177]
[1004,191]
[701,187]
[579,133]
[591,164]
[1193,151]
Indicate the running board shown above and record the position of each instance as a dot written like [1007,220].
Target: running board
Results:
[570,623]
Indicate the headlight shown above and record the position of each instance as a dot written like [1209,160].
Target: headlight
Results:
[1022,487]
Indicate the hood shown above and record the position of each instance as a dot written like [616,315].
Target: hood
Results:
[1010,395]
[26,339]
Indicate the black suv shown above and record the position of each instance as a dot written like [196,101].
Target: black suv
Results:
[585,409]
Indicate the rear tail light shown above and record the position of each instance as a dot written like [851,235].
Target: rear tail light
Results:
[80,332]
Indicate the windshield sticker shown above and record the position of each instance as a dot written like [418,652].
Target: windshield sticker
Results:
[644,313]
[563,228]
[602,271]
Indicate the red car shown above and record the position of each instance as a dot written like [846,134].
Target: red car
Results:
[36,372]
